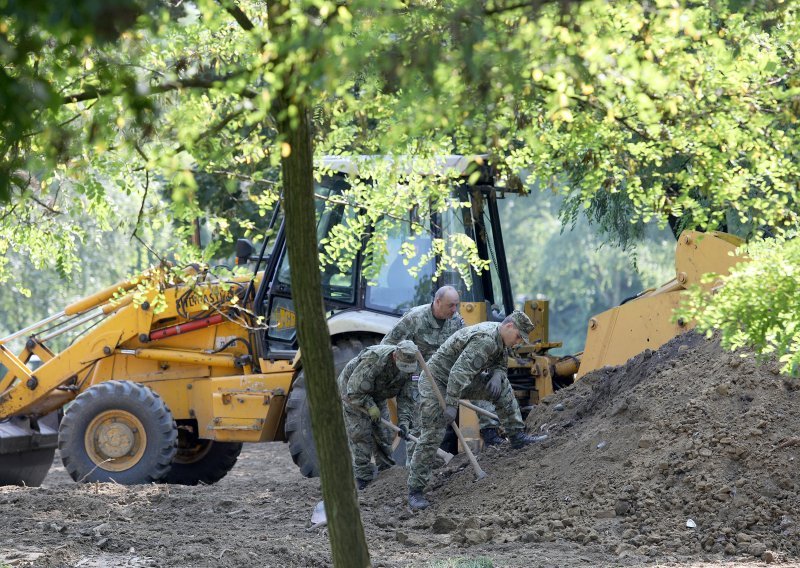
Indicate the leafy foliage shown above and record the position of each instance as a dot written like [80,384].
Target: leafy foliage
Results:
[758,304]
[685,113]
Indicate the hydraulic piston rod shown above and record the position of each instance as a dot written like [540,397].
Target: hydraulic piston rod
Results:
[30,328]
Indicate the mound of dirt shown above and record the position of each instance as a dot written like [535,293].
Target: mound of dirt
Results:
[689,432]
[688,451]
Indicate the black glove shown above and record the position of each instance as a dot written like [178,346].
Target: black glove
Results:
[403,433]
[450,414]
[495,385]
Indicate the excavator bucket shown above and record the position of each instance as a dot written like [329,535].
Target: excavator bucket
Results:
[27,447]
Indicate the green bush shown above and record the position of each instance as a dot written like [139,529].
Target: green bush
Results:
[759,304]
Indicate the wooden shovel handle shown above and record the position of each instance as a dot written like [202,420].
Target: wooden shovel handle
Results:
[479,473]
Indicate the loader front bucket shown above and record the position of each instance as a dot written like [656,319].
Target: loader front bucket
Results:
[27,446]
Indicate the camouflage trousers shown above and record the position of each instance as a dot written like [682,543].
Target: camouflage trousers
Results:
[413,428]
[367,440]
[432,426]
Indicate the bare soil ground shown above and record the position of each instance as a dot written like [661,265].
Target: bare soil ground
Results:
[688,434]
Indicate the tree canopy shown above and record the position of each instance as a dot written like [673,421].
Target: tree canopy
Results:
[632,110]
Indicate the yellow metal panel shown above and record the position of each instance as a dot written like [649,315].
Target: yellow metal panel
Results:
[544,382]
[618,334]
[243,408]
[470,428]
[539,312]
[473,312]
[701,253]
[278,366]
[126,368]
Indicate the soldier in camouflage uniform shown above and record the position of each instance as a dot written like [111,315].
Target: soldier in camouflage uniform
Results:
[458,368]
[428,326]
[371,378]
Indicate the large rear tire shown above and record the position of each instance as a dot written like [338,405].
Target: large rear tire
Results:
[118,431]
[298,413]
[201,461]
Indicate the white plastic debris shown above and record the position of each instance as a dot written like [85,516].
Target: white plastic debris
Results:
[691,524]
[318,516]
[602,445]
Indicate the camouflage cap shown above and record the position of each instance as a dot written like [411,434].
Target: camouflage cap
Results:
[406,356]
[523,324]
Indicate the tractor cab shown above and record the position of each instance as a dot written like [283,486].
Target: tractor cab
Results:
[359,307]
[362,310]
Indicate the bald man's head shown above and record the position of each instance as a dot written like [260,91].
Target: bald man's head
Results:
[445,302]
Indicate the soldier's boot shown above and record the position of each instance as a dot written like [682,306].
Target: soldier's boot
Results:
[521,439]
[491,437]
[361,484]
[417,501]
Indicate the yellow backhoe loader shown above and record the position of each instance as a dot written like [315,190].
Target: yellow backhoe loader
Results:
[164,385]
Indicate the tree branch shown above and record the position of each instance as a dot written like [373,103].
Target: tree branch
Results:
[8,212]
[198,82]
[146,189]
[238,14]
[45,205]
[216,128]
[533,4]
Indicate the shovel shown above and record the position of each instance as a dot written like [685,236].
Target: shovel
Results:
[446,456]
[479,473]
[478,409]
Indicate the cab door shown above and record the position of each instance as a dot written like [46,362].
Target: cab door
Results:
[339,283]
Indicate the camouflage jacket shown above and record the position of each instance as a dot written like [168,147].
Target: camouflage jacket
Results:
[462,357]
[419,326]
[372,377]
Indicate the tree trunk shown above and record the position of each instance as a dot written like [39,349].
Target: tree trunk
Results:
[196,233]
[348,543]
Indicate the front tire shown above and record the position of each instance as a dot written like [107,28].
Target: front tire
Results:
[118,431]
[298,413]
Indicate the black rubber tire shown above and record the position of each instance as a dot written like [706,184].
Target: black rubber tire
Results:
[201,461]
[123,396]
[298,413]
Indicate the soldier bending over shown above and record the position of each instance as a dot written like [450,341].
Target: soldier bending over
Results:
[371,378]
[457,368]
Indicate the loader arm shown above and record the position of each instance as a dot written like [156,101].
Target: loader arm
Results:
[29,391]
[118,323]
[646,321]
